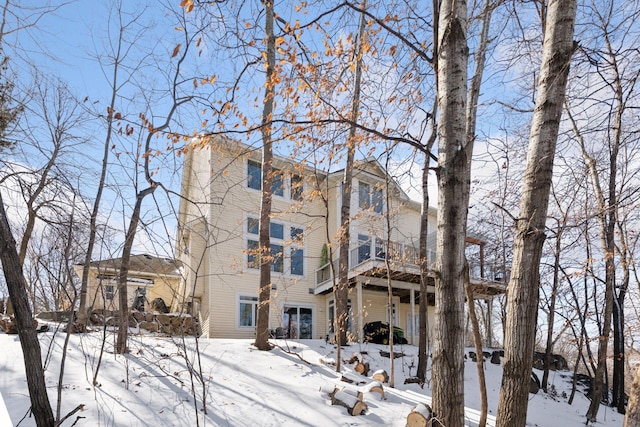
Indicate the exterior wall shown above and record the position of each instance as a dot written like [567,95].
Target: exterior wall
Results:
[218,178]
[163,287]
[229,277]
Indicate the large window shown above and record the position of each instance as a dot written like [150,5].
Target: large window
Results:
[254,175]
[370,198]
[248,311]
[281,235]
[277,187]
[297,251]
[282,186]
[297,187]
[364,248]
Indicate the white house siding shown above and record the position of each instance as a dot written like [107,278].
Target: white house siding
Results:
[219,179]
[229,277]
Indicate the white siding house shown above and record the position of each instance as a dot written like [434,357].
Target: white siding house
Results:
[218,226]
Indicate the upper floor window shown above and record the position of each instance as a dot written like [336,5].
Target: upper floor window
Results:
[297,185]
[281,236]
[254,175]
[277,186]
[370,198]
[281,186]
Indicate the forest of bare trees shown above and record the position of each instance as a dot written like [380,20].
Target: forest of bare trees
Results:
[516,120]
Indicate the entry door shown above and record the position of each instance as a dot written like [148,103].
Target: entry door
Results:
[298,322]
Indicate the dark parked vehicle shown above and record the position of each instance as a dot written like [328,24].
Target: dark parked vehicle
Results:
[378,333]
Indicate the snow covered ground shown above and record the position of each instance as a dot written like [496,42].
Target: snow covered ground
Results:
[153,385]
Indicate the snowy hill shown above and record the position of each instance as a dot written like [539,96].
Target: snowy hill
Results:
[154,385]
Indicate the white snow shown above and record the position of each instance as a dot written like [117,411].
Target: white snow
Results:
[152,385]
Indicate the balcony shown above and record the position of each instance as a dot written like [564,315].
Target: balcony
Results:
[370,257]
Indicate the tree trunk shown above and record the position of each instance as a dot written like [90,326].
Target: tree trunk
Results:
[266,257]
[424,277]
[93,229]
[423,355]
[477,340]
[632,418]
[342,291]
[17,287]
[524,283]
[618,353]
[123,326]
[552,310]
[454,158]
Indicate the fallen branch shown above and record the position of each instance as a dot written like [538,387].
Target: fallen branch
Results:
[293,353]
[80,407]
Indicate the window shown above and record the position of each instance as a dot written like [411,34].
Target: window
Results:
[370,198]
[280,235]
[276,258]
[248,311]
[380,248]
[297,262]
[364,248]
[297,186]
[254,178]
[253,257]
[277,186]
[364,196]
[254,175]
[376,198]
[253,226]
[276,230]
[109,292]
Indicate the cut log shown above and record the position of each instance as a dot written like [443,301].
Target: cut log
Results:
[353,405]
[329,390]
[381,376]
[362,368]
[420,416]
[356,357]
[352,379]
[355,392]
[373,387]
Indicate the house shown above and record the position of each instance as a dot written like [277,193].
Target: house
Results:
[149,277]
[218,236]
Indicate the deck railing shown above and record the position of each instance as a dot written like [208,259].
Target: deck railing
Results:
[402,254]
[398,254]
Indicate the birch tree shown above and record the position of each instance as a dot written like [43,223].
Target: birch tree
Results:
[557,49]
[454,162]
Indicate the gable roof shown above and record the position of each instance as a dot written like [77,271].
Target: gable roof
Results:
[143,263]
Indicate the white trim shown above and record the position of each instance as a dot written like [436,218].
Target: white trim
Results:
[298,306]
[287,186]
[237,310]
[286,242]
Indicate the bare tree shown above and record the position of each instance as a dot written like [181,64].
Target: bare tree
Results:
[454,161]
[558,47]
[266,257]
[149,132]
[12,268]
[342,290]
[115,60]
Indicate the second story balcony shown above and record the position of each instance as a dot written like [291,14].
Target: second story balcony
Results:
[370,258]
